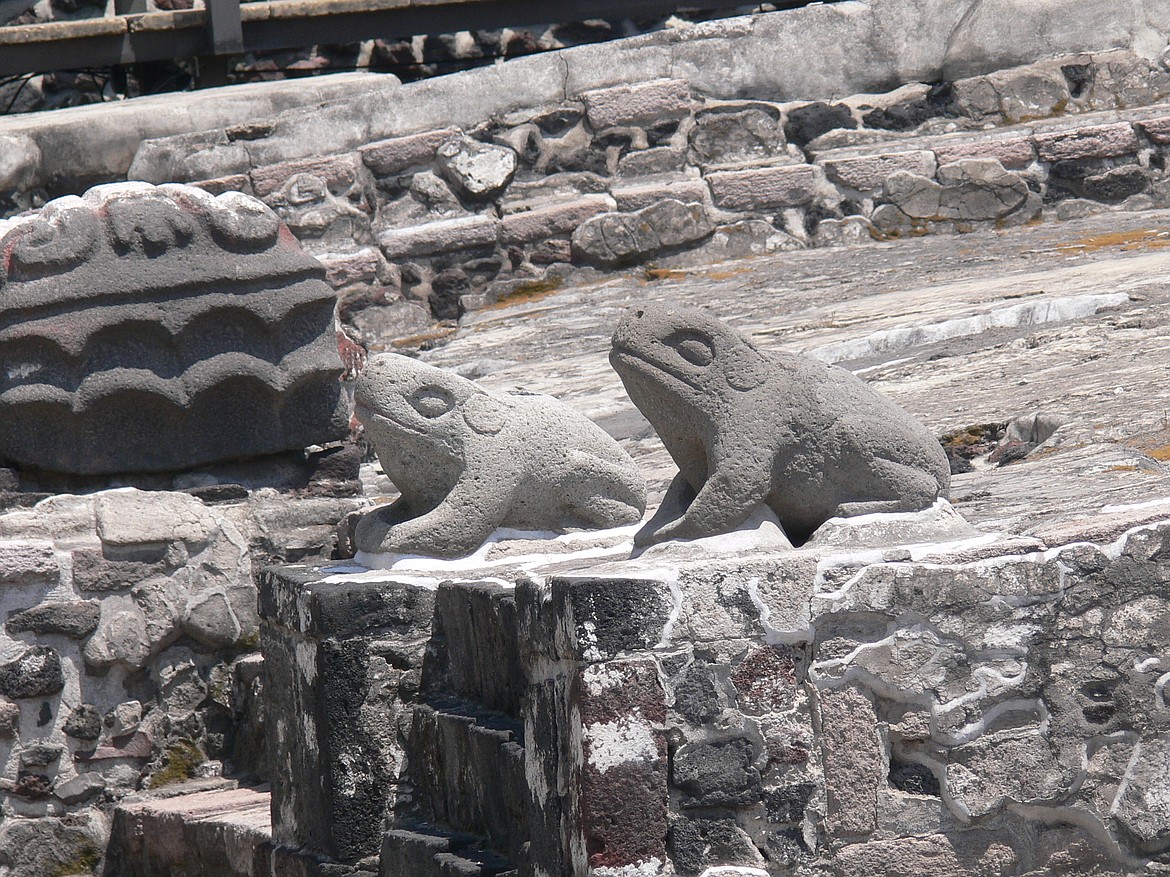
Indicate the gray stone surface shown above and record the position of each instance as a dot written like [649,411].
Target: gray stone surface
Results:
[972,189]
[467,461]
[240,361]
[807,439]
[614,239]
[73,619]
[36,673]
[478,171]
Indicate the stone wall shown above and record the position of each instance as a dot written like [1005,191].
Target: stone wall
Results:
[691,144]
[128,656]
[968,704]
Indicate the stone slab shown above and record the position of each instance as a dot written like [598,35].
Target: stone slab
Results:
[443,236]
[867,172]
[397,154]
[763,188]
[1095,141]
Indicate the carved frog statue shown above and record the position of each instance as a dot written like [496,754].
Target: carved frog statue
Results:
[745,427]
[468,461]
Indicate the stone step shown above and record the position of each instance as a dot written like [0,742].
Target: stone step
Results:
[474,649]
[426,851]
[205,833]
[466,766]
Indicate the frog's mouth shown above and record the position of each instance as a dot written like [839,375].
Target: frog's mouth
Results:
[368,415]
[621,357]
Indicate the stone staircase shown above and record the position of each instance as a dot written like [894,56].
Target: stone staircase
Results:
[468,811]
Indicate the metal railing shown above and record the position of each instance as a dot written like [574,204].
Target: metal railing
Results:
[227,27]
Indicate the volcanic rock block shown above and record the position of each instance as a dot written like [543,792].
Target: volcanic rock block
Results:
[148,329]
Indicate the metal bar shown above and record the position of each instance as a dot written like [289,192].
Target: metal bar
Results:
[224,30]
[225,34]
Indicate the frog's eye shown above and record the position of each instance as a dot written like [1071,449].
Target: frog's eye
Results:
[432,402]
[694,347]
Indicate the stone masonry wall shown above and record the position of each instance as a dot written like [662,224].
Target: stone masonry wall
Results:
[430,224]
[991,710]
[128,654]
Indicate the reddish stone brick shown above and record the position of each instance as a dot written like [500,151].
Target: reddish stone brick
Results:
[867,172]
[631,104]
[1158,130]
[764,188]
[399,153]
[1015,153]
[338,172]
[1096,141]
[542,223]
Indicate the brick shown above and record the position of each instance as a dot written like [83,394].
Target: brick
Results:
[1015,153]
[634,198]
[1158,130]
[139,517]
[852,758]
[1096,141]
[359,267]
[867,172]
[399,153]
[549,221]
[654,101]
[338,172]
[232,183]
[23,563]
[764,187]
[443,236]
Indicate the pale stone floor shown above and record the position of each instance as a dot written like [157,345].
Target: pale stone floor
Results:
[1070,318]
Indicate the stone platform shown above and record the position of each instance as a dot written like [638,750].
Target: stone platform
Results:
[904,693]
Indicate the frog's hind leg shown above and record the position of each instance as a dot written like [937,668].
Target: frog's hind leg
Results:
[612,495]
[910,489]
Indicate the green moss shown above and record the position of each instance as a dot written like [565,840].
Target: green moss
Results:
[86,860]
[182,760]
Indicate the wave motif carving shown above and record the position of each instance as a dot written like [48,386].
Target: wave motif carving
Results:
[158,328]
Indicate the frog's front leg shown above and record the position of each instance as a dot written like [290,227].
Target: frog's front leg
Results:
[729,495]
[457,526]
[674,504]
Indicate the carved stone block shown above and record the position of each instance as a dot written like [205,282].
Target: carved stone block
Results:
[147,329]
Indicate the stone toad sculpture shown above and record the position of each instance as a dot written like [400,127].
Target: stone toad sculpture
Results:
[811,440]
[468,461]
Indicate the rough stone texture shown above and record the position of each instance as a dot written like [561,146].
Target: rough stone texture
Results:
[464,232]
[25,562]
[764,188]
[1098,141]
[72,619]
[467,461]
[620,238]
[834,448]
[732,134]
[36,673]
[224,831]
[852,761]
[397,154]
[631,104]
[341,659]
[478,171]
[19,158]
[542,222]
[974,189]
[1013,153]
[242,362]
[867,172]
